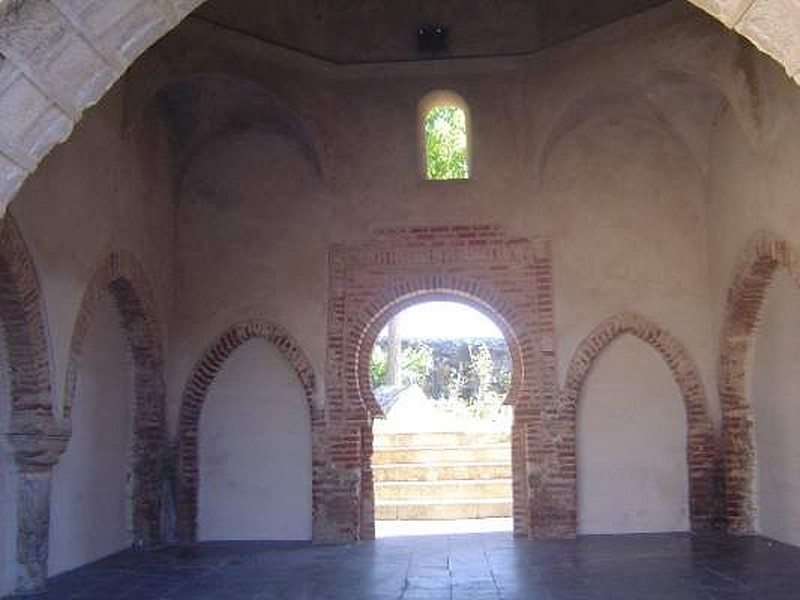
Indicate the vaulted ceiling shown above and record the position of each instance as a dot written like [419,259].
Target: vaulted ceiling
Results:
[349,31]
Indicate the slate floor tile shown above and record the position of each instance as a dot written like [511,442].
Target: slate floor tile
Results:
[490,566]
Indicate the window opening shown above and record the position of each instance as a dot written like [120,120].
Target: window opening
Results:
[446,141]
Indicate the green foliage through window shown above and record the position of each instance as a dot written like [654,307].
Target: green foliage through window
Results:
[446,146]
[377,367]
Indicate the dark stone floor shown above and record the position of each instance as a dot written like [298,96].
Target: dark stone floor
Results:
[470,567]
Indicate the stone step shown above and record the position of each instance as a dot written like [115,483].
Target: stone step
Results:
[444,438]
[442,472]
[442,490]
[437,510]
[442,455]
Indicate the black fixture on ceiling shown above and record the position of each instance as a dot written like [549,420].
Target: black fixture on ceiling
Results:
[432,39]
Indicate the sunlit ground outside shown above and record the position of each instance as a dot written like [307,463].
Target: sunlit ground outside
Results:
[385,529]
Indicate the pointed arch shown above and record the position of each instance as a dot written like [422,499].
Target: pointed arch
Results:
[22,313]
[764,254]
[36,438]
[195,392]
[122,277]
[701,448]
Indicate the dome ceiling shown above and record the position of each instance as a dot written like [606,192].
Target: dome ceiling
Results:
[353,31]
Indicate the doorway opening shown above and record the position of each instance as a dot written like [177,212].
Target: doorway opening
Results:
[441,373]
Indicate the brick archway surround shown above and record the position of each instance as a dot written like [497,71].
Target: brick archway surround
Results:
[510,280]
[124,279]
[202,376]
[59,57]
[763,256]
[701,441]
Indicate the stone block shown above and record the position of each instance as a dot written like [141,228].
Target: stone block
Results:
[772,25]
[11,177]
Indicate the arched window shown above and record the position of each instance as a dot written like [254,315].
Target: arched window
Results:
[445,136]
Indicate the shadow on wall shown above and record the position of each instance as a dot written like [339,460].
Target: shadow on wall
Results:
[205,108]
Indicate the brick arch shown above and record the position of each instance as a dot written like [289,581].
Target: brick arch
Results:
[512,279]
[124,279]
[202,376]
[454,292]
[701,446]
[22,314]
[57,60]
[761,259]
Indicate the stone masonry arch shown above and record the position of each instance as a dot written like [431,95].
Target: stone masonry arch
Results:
[121,276]
[763,256]
[57,58]
[701,446]
[202,376]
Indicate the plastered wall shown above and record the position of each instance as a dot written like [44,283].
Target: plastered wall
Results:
[98,194]
[647,152]
[632,471]
[106,190]
[544,165]
[252,241]
[90,513]
[776,389]
[255,451]
[569,145]
[752,181]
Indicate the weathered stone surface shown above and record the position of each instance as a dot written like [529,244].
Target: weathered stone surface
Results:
[33,524]
[37,442]
[771,25]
